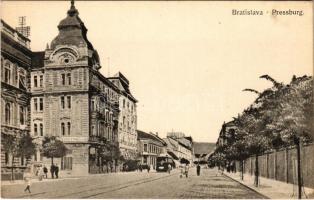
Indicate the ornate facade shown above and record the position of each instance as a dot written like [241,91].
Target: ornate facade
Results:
[127,134]
[16,59]
[67,96]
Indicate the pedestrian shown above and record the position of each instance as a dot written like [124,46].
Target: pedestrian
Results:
[198,169]
[141,168]
[148,168]
[27,178]
[45,171]
[186,170]
[181,171]
[56,170]
[169,168]
[52,171]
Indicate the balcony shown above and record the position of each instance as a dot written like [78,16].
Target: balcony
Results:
[97,139]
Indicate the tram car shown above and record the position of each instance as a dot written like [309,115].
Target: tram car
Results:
[163,163]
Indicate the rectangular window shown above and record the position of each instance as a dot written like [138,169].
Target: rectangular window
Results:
[7,75]
[69,78]
[62,102]
[41,80]
[22,120]
[69,128]
[66,163]
[62,129]
[69,101]
[63,79]
[35,81]
[93,130]
[6,158]
[22,82]
[93,105]
[145,147]
[35,130]
[41,129]
[41,104]
[35,104]
[22,160]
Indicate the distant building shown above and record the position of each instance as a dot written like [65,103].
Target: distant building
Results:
[181,149]
[175,134]
[16,60]
[149,147]
[202,150]
[227,133]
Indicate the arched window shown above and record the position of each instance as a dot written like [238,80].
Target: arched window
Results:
[35,130]
[7,113]
[69,128]
[62,129]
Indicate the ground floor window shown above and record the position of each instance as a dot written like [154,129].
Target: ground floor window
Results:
[6,158]
[66,163]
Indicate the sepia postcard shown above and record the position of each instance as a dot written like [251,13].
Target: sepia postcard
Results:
[157,100]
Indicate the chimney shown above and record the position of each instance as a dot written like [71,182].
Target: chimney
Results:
[157,133]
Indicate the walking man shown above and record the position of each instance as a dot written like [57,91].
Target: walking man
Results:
[52,171]
[57,171]
[169,168]
[198,169]
[27,179]
[186,170]
[45,171]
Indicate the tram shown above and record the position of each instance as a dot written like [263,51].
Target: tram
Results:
[163,162]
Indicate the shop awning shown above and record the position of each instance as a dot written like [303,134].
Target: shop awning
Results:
[173,155]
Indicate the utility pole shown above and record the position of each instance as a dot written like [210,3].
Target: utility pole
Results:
[22,28]
[108,60]
[297,143]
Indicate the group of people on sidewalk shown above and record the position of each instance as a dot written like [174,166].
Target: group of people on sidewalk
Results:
[41,172]
[54,170]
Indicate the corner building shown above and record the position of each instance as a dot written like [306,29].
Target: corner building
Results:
[16,60]
[71,99]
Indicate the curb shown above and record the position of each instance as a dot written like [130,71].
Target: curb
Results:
[248,187]
[35,180]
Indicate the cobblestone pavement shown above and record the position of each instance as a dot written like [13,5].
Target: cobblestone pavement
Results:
[137,185]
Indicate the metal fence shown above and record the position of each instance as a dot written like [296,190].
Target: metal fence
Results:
[281,165]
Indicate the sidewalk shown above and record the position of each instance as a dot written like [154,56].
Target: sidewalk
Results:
[36,180]
[271,188]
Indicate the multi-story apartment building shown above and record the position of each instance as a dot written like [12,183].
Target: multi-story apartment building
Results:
[61,92]
[180,149]
[150,146]
[16,59]
[127,134]
[71,99]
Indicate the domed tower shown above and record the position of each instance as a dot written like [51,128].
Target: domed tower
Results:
[69,63]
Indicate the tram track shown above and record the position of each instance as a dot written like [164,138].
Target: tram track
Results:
[142,181]
[99,188]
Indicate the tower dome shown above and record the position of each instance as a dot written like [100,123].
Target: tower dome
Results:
[72,31]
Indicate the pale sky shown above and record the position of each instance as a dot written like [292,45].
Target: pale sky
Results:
[187,62]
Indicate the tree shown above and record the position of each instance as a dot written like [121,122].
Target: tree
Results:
[110,152]
[52,147]
[18,146]
[240,153]
[27,146]
[256,144]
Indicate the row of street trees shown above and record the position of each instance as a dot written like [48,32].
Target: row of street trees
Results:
[23,146]
[280,116]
